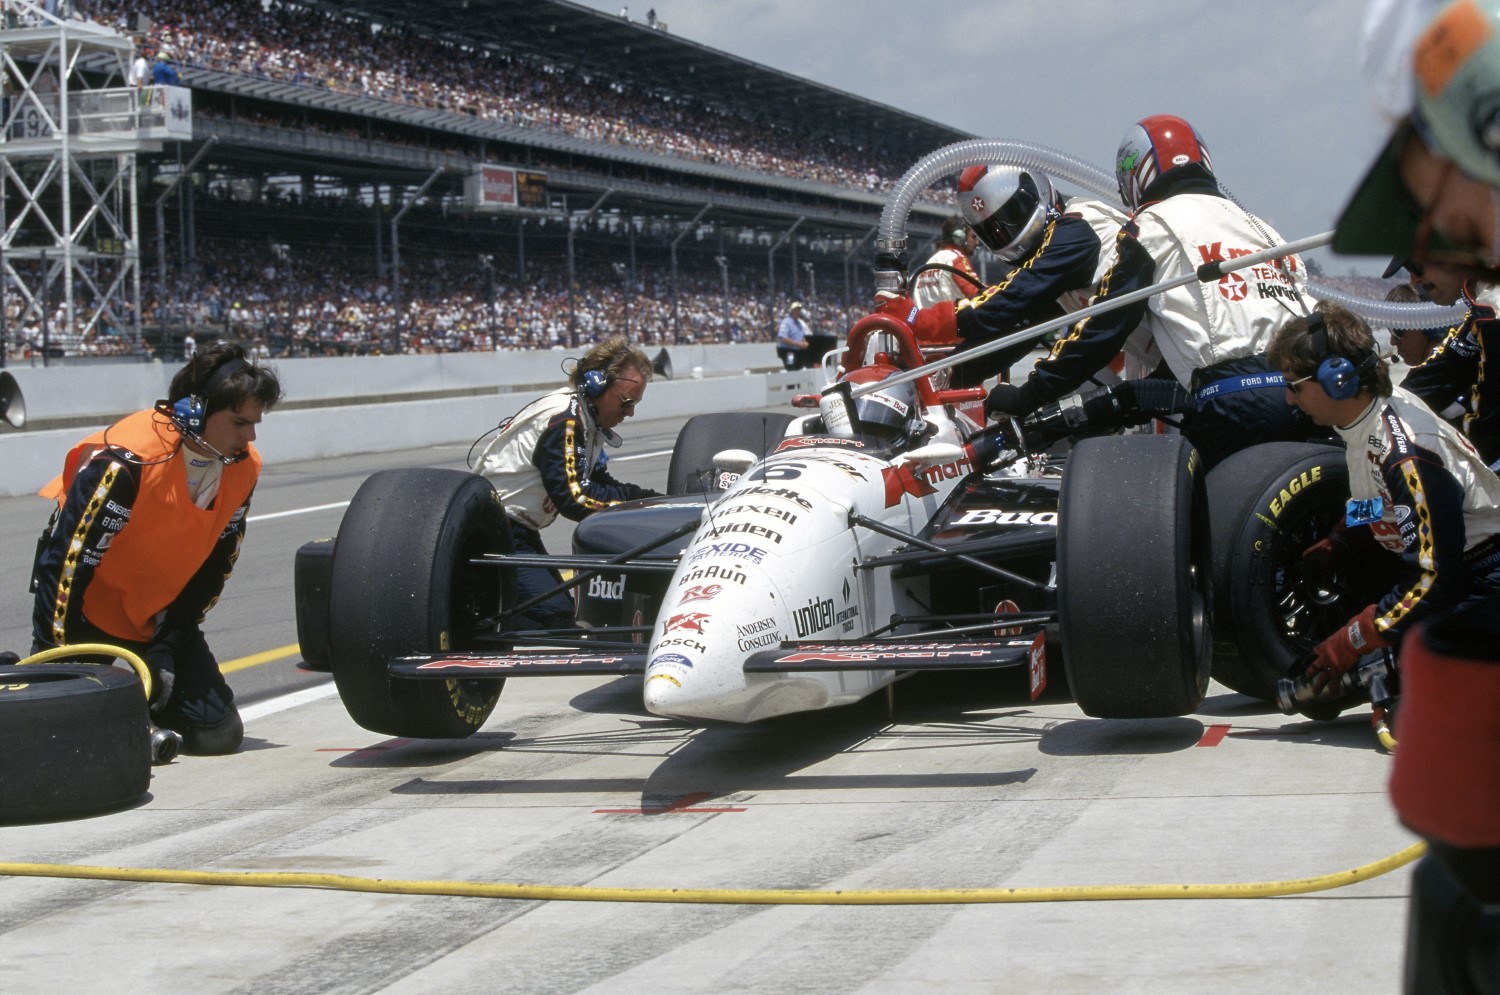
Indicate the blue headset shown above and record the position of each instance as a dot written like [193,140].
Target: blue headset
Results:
[594,382]
[189,413]
[1339,377]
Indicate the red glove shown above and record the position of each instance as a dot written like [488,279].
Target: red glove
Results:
[1337,655]
[935,324]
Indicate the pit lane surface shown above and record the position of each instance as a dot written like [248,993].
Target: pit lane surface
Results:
[969,785]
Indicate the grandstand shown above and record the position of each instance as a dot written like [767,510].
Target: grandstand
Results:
[378,176]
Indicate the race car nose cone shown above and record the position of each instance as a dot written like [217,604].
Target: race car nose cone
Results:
[664,695]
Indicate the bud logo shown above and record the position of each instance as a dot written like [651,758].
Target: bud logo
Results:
[691,621]
[998,516]
[817,616]
[607,590]
[700,592]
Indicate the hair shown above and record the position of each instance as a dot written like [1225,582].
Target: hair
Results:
[252,382]
[955,229]
[1291,349]
[1404,293]
[612,357]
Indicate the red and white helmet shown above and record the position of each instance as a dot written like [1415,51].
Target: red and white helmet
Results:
[1007,207]
[890,414]
[1153,147]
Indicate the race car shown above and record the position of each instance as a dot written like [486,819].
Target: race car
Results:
[808,562]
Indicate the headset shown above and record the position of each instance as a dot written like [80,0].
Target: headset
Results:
[1339,376]
[593,383]
[189,413]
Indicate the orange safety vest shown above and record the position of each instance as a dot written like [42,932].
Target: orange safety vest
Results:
[168,537]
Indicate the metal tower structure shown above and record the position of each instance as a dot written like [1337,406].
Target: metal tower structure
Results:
[70,132]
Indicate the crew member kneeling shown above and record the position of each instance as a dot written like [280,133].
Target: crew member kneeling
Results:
[150,516]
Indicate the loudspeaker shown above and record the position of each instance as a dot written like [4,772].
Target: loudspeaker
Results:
[593,383]
[12,404]
[662,365]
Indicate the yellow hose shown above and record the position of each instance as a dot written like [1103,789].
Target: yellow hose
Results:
[96,649]
[1383,730]
[725,896]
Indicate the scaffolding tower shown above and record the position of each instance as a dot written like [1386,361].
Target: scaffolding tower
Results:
[70,131]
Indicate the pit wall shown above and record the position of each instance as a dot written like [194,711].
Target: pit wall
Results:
[336,407]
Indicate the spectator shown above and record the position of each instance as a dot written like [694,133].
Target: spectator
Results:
[793,339]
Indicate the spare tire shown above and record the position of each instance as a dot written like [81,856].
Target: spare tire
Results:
[74,740]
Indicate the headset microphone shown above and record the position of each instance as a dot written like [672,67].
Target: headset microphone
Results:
[1339,377]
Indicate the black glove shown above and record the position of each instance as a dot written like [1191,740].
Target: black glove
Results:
[1009,399]
[161,659]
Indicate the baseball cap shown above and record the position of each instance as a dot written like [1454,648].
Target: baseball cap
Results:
[1382,216]
[1456,69]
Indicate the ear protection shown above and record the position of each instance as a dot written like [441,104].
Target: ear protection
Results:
[191,412]
[1339,377]
[594,382]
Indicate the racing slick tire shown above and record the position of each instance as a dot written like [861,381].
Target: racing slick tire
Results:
[74,738]
[1133,576]
[1267,504]
[402,583]
[703,436]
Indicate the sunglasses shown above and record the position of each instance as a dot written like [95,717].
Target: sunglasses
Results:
[1295,386]
[627,401]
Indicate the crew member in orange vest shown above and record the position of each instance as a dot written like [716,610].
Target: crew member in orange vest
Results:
[150,515]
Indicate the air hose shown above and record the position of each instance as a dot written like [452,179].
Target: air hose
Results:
[726,896]
[96,649]
[165,743]
[890,241]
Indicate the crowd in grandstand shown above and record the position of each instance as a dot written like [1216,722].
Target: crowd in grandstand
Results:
[290,43]
[314,304]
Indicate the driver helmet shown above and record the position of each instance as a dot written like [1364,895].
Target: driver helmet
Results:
[1153,148]
[1007,207]
[888,414]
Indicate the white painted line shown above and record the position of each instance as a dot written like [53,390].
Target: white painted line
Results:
[261,709]
[626,459]
[296,511]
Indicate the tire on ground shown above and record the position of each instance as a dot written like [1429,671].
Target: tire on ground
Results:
[73,738]
[1267,504]
[702,436]
[1132,576]
[402,583]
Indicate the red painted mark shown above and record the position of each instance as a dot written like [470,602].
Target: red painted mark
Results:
[684,805]
[389,744]
[1213,735]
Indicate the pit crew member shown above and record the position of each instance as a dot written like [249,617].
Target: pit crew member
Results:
[1211,337]
[1056,251]
[149,520]
[1417,486]
[548,460]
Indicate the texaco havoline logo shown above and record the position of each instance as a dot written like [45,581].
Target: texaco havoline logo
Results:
[977,204]
[1232,287]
